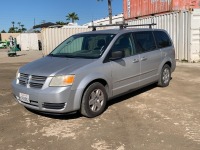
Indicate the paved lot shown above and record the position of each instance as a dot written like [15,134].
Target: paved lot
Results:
[152,118]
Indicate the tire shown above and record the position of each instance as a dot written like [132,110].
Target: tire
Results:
[165,76]
[94,100]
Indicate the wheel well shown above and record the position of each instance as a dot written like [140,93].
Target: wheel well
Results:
[169,63]
[102,81]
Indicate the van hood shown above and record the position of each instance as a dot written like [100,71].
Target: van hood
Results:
[50,66]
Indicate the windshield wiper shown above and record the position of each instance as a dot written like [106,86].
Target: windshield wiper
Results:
[54,55]
[72,56]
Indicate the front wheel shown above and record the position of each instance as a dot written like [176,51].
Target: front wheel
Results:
[165,76]
[94,100]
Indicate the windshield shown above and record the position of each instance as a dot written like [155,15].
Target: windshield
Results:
[83,46]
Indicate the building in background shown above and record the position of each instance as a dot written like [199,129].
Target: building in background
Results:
[115,20]
[6,36]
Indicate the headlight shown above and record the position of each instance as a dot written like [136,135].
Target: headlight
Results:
[62,80]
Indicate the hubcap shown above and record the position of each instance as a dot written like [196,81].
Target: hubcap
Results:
[96,100]
[166,76]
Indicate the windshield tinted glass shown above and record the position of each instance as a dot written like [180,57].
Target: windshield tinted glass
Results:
[83,46]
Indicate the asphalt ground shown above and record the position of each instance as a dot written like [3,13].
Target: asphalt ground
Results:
[151,118]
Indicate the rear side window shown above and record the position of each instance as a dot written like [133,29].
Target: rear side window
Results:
[162,39]
[145,41]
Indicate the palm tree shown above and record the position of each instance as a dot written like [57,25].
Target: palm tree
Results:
[72,16]
[109,10]
[13,23]
[19,23]
[19,30]
[22,26]
[12,29]
[24,29]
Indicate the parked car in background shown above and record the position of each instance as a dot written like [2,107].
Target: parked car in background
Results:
[3,44]
[88,69]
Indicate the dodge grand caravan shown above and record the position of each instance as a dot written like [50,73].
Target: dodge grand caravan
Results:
[88,69]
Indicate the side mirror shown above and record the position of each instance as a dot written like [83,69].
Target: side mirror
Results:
[117,55]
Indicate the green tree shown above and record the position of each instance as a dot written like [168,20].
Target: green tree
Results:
[19,23]
[19,30]
[61,23]
[109,10]
[37,31]
[22,28]
[11,30]
[3,31]
[72,16]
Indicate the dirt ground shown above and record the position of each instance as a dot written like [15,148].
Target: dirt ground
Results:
[152,118]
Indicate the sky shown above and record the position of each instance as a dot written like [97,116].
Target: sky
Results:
[25,11]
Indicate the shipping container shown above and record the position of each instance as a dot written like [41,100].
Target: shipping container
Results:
[138,8]
[184,29]
[52,37]
[28,41]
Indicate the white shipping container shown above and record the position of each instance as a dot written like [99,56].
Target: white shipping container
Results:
[184,29]
[52,37]
[28,41]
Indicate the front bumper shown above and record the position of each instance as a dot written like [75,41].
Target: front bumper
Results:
[49,99]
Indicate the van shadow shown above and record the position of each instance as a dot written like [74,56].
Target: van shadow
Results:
[76,115]
[130,94]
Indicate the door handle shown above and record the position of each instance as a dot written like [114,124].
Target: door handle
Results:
[135,60]
[143,58]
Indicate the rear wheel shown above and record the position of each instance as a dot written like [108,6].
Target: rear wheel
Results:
[94,100]
[165,76]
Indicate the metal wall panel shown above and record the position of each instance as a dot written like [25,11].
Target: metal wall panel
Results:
[195,36]
[139,8]
[6,36]
[52,37]
[184,29]
[28,41]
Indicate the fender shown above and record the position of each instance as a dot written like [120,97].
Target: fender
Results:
[85,82]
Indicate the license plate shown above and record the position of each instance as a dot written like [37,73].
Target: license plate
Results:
[24,97]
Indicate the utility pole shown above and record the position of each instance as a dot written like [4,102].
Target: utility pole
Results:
[110,11]
[34,21]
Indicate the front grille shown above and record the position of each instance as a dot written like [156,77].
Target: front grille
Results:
[23,76]
[31,81]
[38,78]
[21,82]
[36,85]
[53,105]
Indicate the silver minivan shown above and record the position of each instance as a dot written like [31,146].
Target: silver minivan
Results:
[88,69]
